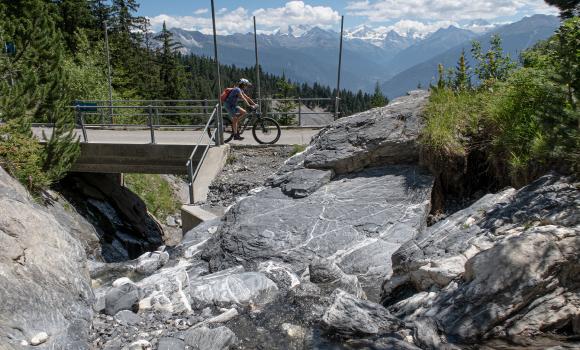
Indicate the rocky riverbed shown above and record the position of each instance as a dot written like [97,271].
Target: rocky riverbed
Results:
[332,251]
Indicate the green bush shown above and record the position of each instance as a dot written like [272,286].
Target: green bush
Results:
[21,156]
[156,192]
[525,120]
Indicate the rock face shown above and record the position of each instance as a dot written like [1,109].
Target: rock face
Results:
[44,283]
[508,266]
[125,228]
[379,136]
[358,220]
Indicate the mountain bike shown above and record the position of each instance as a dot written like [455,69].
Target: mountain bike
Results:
[265,130]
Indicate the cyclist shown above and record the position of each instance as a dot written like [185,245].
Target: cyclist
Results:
[231,103]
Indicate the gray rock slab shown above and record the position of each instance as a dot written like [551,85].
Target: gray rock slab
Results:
[380,136]
[358,221]
[204,338]
[232,287]
[349,316]
[44,281]
[302,182]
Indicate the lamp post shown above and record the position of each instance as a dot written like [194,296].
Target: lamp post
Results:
[106,29]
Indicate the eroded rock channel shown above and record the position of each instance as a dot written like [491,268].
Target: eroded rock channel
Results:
[333,252]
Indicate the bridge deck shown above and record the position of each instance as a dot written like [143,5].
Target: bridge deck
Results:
[131,151]
[299,136]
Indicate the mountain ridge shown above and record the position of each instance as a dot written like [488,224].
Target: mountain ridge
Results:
[310,53]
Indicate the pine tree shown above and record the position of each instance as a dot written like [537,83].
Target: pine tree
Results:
[33,87]
[285,91]
[378,99]
[440,76]
[462,76]
[172,88]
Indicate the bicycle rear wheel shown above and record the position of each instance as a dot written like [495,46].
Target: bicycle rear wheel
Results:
[228,130]
[266,131]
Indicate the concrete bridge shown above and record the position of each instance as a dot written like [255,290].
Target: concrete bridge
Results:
[131,151]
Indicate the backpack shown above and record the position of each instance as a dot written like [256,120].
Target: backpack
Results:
[225,94]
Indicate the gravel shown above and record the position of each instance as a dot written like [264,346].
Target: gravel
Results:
[247,167]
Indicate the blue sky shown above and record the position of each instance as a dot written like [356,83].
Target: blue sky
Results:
[401,15]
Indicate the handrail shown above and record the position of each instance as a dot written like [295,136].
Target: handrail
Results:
[192,174]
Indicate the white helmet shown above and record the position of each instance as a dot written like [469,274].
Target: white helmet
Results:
[244,81]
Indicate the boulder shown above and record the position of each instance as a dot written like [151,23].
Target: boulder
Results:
[350,317]
[507,266]
[438,255]
[44,281]
[204,338]
[280,273]
[123,297]
[538,270]
[380,136]
[357,221]
[139,345]
[166,290]
[329,276]
[233,286]
[150,262]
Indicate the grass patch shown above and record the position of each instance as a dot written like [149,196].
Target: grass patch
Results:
[156,192]
[297,149]
[231,159]
[450,118]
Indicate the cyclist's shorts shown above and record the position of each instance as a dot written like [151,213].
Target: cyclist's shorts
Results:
[233,110]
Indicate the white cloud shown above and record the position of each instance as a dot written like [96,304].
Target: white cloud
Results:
[297,12]
[240,20]
[228,22]
[449,10]
[201,11]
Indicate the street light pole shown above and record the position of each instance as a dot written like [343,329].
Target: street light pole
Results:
[220,127]
[257,67]
[337,102]
[109,69]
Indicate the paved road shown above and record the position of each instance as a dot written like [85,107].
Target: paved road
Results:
[186,137]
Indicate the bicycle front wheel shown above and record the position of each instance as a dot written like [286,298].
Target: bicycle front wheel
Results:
[266,131]
[228,130]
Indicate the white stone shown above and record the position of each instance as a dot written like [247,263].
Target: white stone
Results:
[121,281]
[39,338]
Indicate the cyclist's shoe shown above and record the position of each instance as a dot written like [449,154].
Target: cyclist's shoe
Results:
[237,137]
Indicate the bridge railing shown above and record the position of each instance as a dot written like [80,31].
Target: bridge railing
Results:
[294,111]
[191,172]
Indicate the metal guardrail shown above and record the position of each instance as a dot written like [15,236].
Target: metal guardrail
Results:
[192,173]
[174,113]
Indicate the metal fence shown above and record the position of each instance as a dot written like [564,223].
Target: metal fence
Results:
[168,114]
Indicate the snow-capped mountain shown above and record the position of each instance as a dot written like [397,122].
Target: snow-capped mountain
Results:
[310,54]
